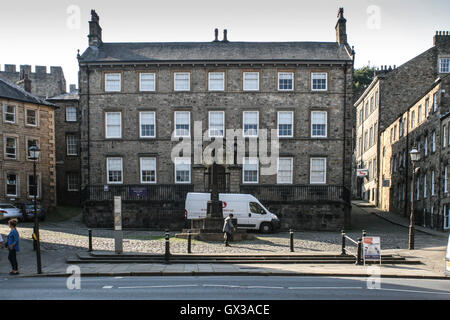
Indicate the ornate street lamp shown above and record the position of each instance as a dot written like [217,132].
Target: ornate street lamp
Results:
[415,157]
[34,152]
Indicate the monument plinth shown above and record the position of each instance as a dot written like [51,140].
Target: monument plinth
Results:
[210,228]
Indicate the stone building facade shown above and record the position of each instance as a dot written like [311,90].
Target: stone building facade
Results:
[136,97]
[398,88]
[26,120]
[43,84]
[419,127]
[68,164]
[444,186]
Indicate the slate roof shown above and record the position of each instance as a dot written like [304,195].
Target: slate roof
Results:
[66,96]
[216,51]
[13,92]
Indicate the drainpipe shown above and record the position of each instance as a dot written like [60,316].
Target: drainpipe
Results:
[408,202]
[88,126]
[377,199]
[345,127]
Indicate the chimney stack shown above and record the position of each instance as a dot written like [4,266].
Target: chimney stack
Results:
[225,35]
[216,35]
[441,38]
[95,31]
[27,83]
[341,29]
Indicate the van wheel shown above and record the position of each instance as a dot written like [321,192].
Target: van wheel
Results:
[265,227]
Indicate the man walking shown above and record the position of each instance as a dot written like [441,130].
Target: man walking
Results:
[228,228]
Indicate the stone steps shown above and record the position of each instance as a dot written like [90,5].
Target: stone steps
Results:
[236,259]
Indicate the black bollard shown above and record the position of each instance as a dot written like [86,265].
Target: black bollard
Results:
[167,253]
[343,243]
[292,239]
[359,252]
[90,240]
[189,238]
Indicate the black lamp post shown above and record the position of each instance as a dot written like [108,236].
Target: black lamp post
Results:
[34,155]
[415,156]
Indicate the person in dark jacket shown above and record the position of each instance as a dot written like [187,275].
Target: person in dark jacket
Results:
[13,246]
[228,228]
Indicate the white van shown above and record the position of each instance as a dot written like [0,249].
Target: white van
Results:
[248,211]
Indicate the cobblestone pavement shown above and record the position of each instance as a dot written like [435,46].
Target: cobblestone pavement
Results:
[71,236]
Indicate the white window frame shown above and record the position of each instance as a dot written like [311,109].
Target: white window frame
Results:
[444,136]
[435,102]
[108,86]
[38,186]
[175,124]
[432,183]
[141,169]
[446,64]
[107,170]
[182,161]
[250,161]
[291,170]
[36,115]
[446,214]
[326,125]
[176,82]
[291,124]
[141,113]
[291,74]
[212,81]
[67,145]
[446,179]
[246,81]
[69,184]
[107,134]
[9,113]
[68,118]
[16,147]
[143,81]
[425,147]
[425,186]
[312,159]
[16,185]
[222,128]
[315,74]
[244,123]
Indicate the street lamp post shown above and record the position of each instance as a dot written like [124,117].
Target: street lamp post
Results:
[34,155]
[415,156]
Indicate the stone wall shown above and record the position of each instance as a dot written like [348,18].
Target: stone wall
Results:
[153,215]
[199,101]
[44,133]
[161,215]
[43,84]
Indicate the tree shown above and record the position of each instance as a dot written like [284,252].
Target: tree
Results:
[362,78]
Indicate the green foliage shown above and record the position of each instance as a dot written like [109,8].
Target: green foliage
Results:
[363,77]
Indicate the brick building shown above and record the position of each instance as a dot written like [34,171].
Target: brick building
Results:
[423,126]
[26,120]
[68,164]
[396,89]
[136,97]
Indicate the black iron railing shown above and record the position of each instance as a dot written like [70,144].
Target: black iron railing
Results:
[298,192]
[157,192]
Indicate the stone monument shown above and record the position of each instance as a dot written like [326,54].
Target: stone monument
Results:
[210,228]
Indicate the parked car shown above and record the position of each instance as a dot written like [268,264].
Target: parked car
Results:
[28,211]
[9,211]
[248,211]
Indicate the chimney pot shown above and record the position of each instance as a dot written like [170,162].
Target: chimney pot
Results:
[216,35]
[225,39]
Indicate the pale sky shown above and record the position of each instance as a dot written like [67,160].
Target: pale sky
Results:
[384,32]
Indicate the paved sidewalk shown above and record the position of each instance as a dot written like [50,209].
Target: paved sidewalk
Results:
[430,250]
[397,219]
